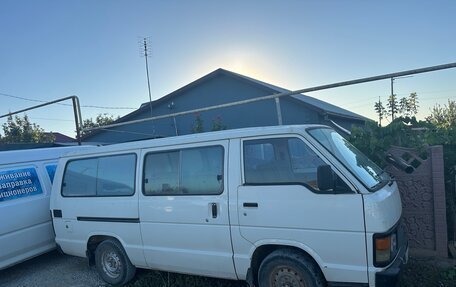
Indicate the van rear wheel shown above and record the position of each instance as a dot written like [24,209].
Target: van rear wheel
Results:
[287,268]
[113,264]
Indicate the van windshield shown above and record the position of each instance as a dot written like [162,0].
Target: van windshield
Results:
[370,174]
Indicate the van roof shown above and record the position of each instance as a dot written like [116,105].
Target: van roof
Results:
[194,138]
[30,155]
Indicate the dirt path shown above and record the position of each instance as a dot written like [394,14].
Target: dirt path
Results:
[52,269]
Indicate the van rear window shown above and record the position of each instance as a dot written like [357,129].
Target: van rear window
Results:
[102,176]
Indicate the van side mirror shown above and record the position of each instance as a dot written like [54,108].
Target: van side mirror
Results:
[325,180]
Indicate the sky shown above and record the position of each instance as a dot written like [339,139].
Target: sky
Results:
[91,49]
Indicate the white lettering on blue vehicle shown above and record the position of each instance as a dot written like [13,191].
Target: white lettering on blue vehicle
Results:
[19,183]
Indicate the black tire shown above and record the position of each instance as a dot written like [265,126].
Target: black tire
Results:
[113,264]
[289,268]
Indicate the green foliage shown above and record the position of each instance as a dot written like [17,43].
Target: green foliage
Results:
[217,124]
[449,274]
[443,117]
[100,120]
[375,141]
[443,121]
[438,129]
[198,124]
[21,130]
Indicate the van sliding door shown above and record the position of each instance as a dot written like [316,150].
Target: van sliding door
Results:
[184,209]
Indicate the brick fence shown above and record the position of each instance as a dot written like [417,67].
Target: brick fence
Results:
[423,199]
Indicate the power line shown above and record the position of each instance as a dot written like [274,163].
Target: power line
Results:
[68,105]
[50,119]
[21,98]
[109,108]
[430,99]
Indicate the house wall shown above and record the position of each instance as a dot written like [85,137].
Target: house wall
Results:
[219,89]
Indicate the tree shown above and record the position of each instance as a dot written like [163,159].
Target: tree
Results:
[408,106]
[380,110]
[404,108]
[413,104]
[392,106]
[100,120]
[21,130]
[443,117]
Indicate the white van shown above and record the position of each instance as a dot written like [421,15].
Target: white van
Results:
[276,206]
[25,188]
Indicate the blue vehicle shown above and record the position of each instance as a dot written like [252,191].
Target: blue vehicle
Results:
[25,186]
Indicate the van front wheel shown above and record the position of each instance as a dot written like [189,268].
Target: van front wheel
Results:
[113,264]
[289,268]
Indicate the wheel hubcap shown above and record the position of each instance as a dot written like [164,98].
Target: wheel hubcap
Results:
[287,277]
[112,266]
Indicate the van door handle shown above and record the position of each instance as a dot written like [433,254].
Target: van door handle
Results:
[250,204]
[214,210]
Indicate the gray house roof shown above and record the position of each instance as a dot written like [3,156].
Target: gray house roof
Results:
[319,106]
[310,101]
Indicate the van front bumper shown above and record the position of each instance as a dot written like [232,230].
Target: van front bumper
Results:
[390,276]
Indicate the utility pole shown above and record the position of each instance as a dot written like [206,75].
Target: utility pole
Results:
[392,102]
[380,113]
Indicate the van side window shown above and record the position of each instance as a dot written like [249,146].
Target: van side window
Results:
[103,176]
[161,173]
[280,161]
[116,175]
[194,171]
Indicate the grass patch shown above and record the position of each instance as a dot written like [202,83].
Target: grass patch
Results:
[417,273]
[427,273]
[150,278]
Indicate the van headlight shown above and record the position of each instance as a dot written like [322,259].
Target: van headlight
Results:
[385,248]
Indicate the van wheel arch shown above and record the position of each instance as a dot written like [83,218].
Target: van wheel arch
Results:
[92,245]
[263,251]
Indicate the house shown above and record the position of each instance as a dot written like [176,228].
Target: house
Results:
[220,87]
[60,138]
[59,141]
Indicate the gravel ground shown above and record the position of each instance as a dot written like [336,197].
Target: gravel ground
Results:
[51,269]
[56,270]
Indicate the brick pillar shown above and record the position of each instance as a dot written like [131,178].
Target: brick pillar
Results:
[438,186]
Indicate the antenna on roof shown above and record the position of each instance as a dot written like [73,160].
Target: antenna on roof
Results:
[144,49]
